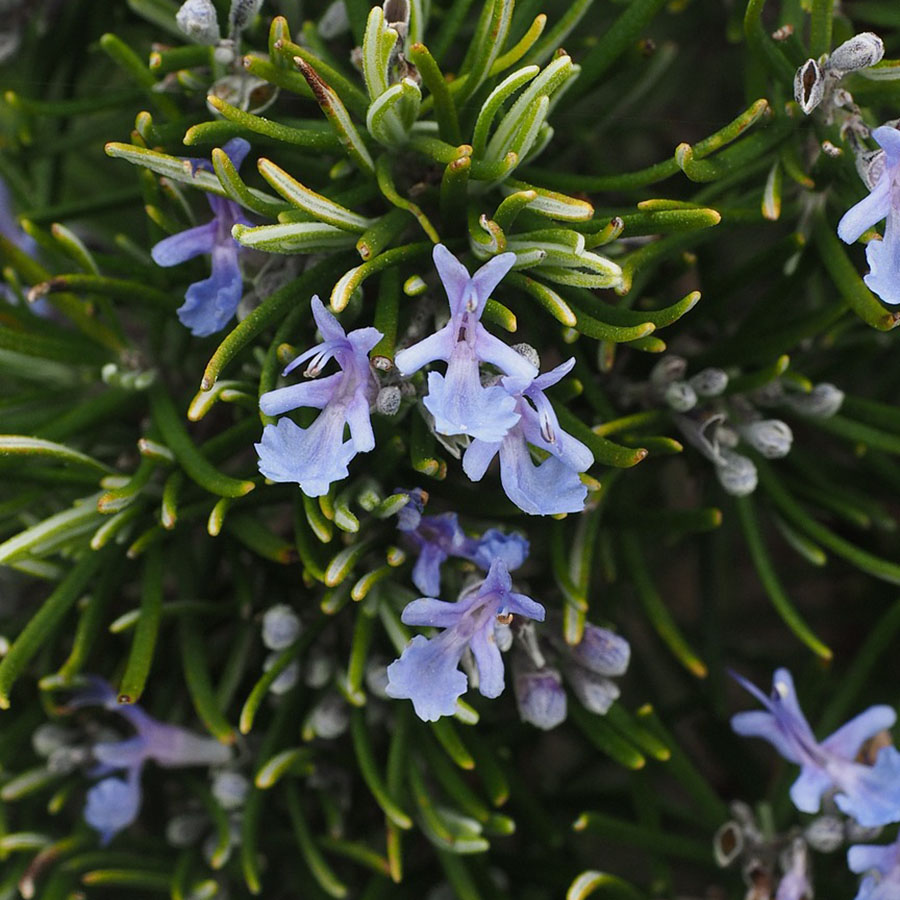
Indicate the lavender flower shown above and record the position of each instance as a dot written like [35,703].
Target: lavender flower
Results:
[436,538]
[795,884]
[315,457]
[457,400]
[553,486]
[884,860]
[209,304]
[113,803]
[427,671]
[871,794]
[882,203]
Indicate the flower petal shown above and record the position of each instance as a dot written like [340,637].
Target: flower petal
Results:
[863,857]
[867,212]
[426,573]
[486,279]
[477,458]
[847,740]
[328,325]
[185,245]
[757,723]
[492,350]
[453,274]
[884,261]
[489,660]
[888,139]
[807,790]
[436,346]
[113,804]
[428,674]
[427,611]
[316,393]
[360,422]
[210,304]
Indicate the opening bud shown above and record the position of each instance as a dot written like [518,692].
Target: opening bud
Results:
[771,437]
[540,696]
[197,19]
[809,86]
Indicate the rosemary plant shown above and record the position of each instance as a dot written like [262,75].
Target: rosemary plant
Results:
[420,421]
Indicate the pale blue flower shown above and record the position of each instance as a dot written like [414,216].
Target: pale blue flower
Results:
[870,794]
[540,696]
[210,304]
[457,400]
[795,883]
[317,456]
[427,671]
[882,203]
[436,538]
[114,802]
[885,860]
[545,488]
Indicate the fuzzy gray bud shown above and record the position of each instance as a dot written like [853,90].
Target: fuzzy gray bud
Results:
[595,693]
[286,679]
[49,737]
[334,21]
[280,627]
[669,368]
[197,19]
[230,789]
[319,669]
[809,86]
[330,718]
[388,400]
[709,382]
[736,474]
[242,12]
[185,829]
[771,437]
[529,353]
[825,834]
[680,396]
[823,401]
[860,52]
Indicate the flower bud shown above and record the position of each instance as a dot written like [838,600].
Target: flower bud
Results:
[709,382]
[680,396]
[809,86]
[280,627]
[770,437]
[822,402]
[319,669]
[242,11]
[230,789]
[669,368]
[825,834]
[334,21]
[736,474]
[197,19]
[529,353]
[860,52]
[601,650]
[595,692]
[540,696]
[330,717]
[388,400]
[185,829]
[286,678]
[49,737]
[67,759]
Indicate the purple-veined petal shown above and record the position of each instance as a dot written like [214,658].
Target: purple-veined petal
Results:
[522,605]
[883,257]
[543,490]
[757,723]
[428,674]
[426,573]
[492,350]
[316,393]
[488,659]
[869,211]
[486,279]
[847,740]
[210,304]
[477,458]
[426,611]
[185,245]
[436,346]
[453,274]
[328,325]
[314,457]
[888,139]
[807,790]
[460,405]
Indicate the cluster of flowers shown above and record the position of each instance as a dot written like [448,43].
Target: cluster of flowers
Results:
[483,621]
[868,793]
[504,415]
[716,422]
[115,800]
